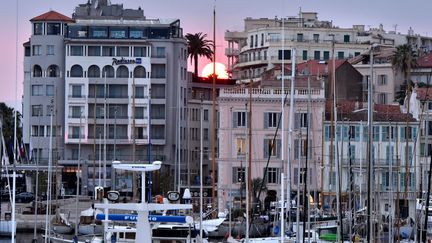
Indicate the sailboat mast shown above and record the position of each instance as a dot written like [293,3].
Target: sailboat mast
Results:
[213,126]
[283,129]
[370,147]
[290,130]
[247,176]
[305,192]
[249,119]
[15,127]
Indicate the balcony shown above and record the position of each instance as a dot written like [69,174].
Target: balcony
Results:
[232,52]
[270,93]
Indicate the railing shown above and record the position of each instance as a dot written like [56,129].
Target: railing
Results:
[269,93]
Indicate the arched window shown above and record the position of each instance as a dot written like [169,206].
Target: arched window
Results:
[108,71]
[76,71]
[37,71]
[53,71]
[122,72]
[139,72]
[93,72]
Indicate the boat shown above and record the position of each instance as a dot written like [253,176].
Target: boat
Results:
[88,225]
[60,223]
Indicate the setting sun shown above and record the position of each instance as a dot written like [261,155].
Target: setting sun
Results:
[220,70]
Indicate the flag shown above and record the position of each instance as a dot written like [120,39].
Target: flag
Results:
[22,151]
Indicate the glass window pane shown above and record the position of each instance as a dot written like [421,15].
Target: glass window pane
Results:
[53,28]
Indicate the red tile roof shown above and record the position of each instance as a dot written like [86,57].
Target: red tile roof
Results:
[357,111]
[425,61]
[319,67]
[52,16]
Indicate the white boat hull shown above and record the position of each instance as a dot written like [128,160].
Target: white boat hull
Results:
[62,229]
[6,228]
[90,229]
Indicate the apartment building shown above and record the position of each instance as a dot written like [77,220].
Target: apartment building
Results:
[122,83]
[264,42]
[394,148]
[262,101]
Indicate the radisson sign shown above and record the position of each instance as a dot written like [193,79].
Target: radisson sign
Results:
[122,61]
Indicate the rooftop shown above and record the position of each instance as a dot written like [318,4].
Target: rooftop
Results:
[357,111]
[52,16]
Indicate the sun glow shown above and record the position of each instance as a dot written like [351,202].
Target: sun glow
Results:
[220,70]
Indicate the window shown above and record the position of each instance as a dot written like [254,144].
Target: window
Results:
[376,132]
[76,111]
[37,90]
[346,38]
[262,39]
[136,33]
[238,174]
[389,153]
[141,112]
[122,72]
[158,91]
[37,110]
[351,152]
[302,178]
[122,51]
[251,41]
[206,115]
[53,28]
[53,71]
[140,133]
[382,98]
[140,51]
[108,71]
[326,55]
[239,119]
[118,32]
[93,72]
[37,131]
[240,147]
[76,50]
[160,51]
[76,31]
[74,132]
[76,91]
[76,71]
[354,133]
[50,90]
[317,55]
[301,120]
[38,29]
[300,37]
[139,72]
[115,90]
[140,91]
[256,40]
[50,50]
[341,55]
[356,53]
[158,111]
[206,134]
[94,51]
[316,38]
[108,51]
[272,175]
[305,55]
[98,32]
[284,54]
[158,71]
[271,119]
[382,79]
[158,132]
[49,110]
[37,71]
[37,50]
[272,148]
[300,148]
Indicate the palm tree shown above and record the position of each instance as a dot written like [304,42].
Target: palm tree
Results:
[198,46]
[403,60]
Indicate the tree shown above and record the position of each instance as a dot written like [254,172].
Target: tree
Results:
[404,59]
[8,120]
[198,46]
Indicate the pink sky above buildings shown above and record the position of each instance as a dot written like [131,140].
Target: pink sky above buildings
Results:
[196,16]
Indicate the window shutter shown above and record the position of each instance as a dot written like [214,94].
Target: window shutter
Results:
[279,117]
[345,133]
[266,120]
[296,148]
[310,119]
[234,175]
[413,133]
[266,148]
[278,148]
[235,117]
[296,176]
[402,133]
[297,120]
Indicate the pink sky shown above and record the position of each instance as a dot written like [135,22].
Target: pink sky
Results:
[196,16]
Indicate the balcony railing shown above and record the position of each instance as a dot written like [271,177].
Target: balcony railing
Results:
[269,93]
